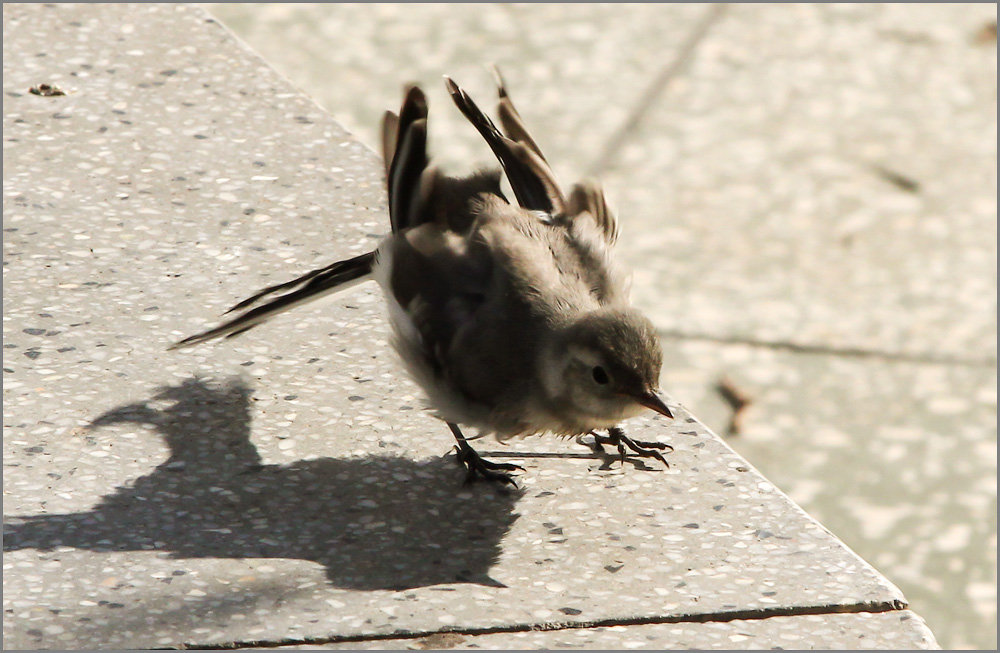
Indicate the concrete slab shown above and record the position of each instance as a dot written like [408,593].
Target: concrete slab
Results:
[873,130]
[286,485]
[865,630]
[898,458]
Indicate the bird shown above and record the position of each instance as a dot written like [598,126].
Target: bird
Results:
[510,313]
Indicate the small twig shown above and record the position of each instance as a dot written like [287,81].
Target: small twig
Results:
[987,34]
[737,399]
[900,181]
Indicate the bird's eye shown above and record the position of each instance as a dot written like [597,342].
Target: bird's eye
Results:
[600,375]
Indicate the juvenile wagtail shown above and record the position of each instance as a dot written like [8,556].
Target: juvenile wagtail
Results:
[512,316]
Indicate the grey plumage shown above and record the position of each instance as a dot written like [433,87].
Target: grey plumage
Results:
[511,316]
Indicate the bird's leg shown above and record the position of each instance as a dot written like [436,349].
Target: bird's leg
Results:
[616,436]
[478,466]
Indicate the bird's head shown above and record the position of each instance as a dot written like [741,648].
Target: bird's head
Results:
[605,367]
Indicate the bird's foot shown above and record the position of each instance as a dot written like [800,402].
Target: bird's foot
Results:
[478,467]
[643,449]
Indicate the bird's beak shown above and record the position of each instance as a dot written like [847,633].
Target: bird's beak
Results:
[653,401]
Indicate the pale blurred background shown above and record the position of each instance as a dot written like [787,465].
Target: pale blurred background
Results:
[807,197]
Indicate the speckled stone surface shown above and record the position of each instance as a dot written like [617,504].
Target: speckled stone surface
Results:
[894,630]
[758,203]
[913,493]
[288,485]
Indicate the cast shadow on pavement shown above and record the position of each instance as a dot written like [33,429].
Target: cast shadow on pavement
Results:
[377,522]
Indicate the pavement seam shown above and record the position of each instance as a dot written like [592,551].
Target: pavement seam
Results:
[872,607]
[655,89]
[831,350]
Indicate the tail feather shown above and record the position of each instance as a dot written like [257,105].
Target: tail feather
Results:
[288,285]
[308,287]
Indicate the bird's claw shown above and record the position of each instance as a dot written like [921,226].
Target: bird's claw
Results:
[478,467]
[641,448]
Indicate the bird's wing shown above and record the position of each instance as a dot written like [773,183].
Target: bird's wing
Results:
[477,301]
[578,232]
[438,283]
[510,118]
[474,300]
[588,197]
[585,197]
[591,236]
[530,177]
[404,141]
[567,265]
[539,274]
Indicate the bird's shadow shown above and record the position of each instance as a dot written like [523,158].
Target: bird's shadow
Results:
[378,522]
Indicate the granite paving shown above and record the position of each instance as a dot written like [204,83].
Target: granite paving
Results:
[807,180]
[913,493]
[289,486]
